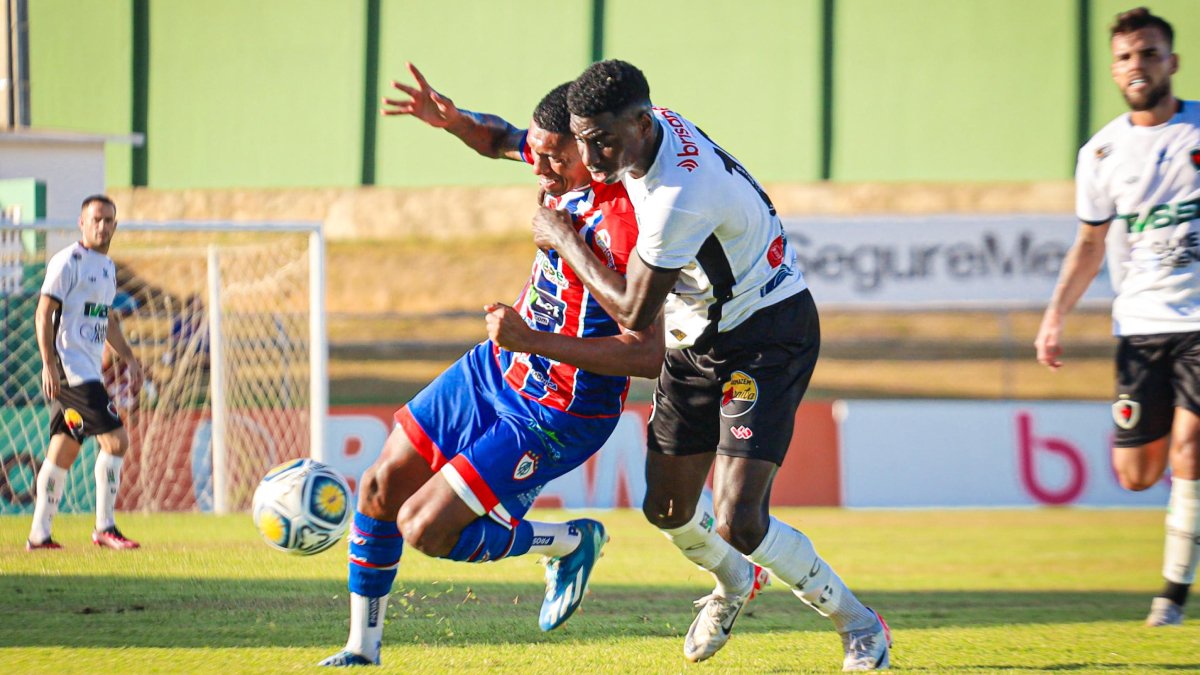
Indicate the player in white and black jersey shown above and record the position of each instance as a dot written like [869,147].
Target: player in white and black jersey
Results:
[74,321]
[1138,197]
[742,336]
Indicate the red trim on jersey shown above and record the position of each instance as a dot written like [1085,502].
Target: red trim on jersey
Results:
[518,388]
[424,445]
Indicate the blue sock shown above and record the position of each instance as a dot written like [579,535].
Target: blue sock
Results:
[485,539]
[375,548]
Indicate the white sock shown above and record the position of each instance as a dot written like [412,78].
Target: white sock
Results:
[1183,532]
[699,542]
[553,539]
[366,625]
[51,481]
[791,558]
[108,479]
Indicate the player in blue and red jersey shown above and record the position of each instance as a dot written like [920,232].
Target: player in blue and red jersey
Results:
[472,451]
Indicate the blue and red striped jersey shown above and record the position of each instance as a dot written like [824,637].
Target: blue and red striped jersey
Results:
[555,300]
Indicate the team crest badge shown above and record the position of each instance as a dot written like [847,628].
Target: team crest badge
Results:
[738,395]
[1103,151]
[526,466]
[1196,158]
[1126,413]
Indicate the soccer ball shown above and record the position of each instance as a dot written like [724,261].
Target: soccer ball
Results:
[302,507]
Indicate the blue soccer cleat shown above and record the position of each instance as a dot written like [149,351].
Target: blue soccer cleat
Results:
[346,658]
[567,577]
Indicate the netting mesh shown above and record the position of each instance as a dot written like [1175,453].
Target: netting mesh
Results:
[164,301]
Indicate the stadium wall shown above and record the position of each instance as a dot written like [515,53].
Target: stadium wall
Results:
[283,93]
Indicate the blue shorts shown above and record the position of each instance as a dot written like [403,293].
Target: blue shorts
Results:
[496,448]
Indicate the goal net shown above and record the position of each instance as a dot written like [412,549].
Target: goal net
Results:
[226,321]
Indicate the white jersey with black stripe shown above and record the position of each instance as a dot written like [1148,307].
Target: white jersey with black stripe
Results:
[699,211]
[1146,180]
[85,283]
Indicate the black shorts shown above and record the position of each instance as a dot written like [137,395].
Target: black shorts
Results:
[739,395]
[1155,375]
[83,411]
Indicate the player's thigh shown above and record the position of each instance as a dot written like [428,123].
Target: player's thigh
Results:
[396,475]
[1145,395]
[1185,431]
[115,442]
[681,437]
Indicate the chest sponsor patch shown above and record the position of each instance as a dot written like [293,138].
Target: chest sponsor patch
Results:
[548,311]
[738,395]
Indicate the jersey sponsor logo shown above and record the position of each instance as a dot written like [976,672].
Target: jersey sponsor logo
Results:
[95,310]
[1103,151]
[690,149]
[742,433]
[1163,215]
[542,379]
[550,272]
[1126,412]
[738,395]
[526,466]
[94,332]
[1179,251]
[604,243]
[74,422]
[548,311]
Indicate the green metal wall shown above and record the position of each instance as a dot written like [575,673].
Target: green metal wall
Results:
[285,93]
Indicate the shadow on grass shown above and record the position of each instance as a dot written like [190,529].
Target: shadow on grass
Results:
[99,611]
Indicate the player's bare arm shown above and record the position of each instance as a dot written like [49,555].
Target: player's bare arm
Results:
[634,300]
[116,340]
[632,353]
[1080,267]
[44,324]
[488,135]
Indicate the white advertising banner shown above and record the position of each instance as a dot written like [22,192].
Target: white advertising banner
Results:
[973,261]
[981,454]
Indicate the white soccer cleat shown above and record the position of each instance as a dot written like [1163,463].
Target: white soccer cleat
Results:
[868,649]
[712,626]
[1164,612]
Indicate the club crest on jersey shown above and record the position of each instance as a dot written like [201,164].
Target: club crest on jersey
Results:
[1103,151]
[526,466]
[1126,413]
[775,252]
[738,395]
[1196,158]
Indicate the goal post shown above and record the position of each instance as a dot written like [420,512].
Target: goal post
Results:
[228,322]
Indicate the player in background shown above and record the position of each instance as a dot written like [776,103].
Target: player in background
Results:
[74,322]
[1137,187]
[470,453]
[742,338]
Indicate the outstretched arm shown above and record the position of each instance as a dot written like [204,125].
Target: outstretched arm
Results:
[634,300]
[632,353]
[489,135]
[1079,269]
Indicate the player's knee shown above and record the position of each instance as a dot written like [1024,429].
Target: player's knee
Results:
[744,528]
[665,513]
[1136,482]
[422,532]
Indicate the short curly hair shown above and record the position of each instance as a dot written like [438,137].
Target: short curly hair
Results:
[1137,19]
[608,86]
[551,113]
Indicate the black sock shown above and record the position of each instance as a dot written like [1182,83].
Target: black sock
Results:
[1176,593]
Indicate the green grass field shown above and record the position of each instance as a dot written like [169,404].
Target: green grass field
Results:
[964,591]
